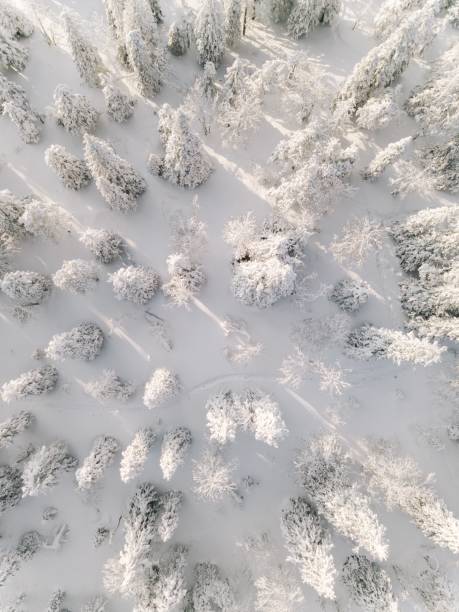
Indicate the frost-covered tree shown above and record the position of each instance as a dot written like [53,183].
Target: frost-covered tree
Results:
[178,38]
[11,210]
[101,456]
[213,477]
[162,387]
[147,73]
[359,238]
[118,105]
[156,9]
[211,590]
[201,101]
[232,23]
[56,601]
[26,288]
[30,384]
[262,283]
[223,413]
[12,55]
[117,181]
[280,10]
[168,588]
[309,546]
[349,295]
[137,284]
[136,453]
[11,487]
[385,157]
[84,342]
[185,163]
[437,592]
[13,22]
[379,111]
[105,245]
[109,386]
[186,279]
[174,448]
[72,170]
[261,415]
[77,276]
[306,15]
[15,425]
[45,219]
[84,54]
[74,111]
[209,33]
[98,603]
[42,469]
[368,584]
[442,163]
[27,122]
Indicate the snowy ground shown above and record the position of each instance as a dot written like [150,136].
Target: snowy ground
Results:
[383,399]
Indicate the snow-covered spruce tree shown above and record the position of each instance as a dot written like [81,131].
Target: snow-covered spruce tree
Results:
[15,93]
[13,22]
[309,546]
[84,54]
[186,279]
[10,488]
[101,456]
[30,384]
[280,10]
[138,16]
[201,102]
[379,111]
[223,414]
[431,104]
[368,584]
[45,220]
[118,105]
[15,425]
[324,470]
[117,181]
[209,33]
[109,386]
[174,448]
[105,245]
[136,453]
[137,284]
[26,288]
[442,163]
[262,283]
[185,163]
[213,477]
[84,342]
[11,210]
[163,386]
[27,122]
[306,15]
[72,171]
[349,295]
[147,73]
[232,24]
[384,63]
[76,276]
[385,157]
[178,38]
[42,469]
[261,415]
[367,341]
[211,590]
[74,111]
[12,55]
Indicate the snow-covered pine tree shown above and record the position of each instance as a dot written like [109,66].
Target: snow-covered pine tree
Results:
[118,105]
[232,24]
[213,477]
[101,456]
[185,163]
[12,55]
[379,110]
[26,288]
[211,590]
[262,283]
[280,10]
[442,164]
[74,111]
[385,157]
[136,453]
[306,15]
[11,210]
[117,181]
[85,342]
[261,415]
[42,469]
[186,279]
[174,448]
[78,276]
[84,54]
[15,425]
[136,284]
[209,33]
[72,171]
[369,584]
[105,245]
[109,386]
[155,6]
[28,123]
[168,588]
[349,295]
[30,384]
[162,387]
[147,75]
[178,38]
[45,219]
[13,22]
[11,488]
[309,546]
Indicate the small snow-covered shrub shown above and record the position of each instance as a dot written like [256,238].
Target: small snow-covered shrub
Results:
[14,426]
[45,219]
[137,284]
[74,111]
[26,288]
[43,467]
[136,453]
[369,584]
[72,171]
[213,477]
[76,276]
[186,279]
[101,456]
[27,122]
[174,448]
[263,283]
[10,487]
[106,246]
[162,387]
[83,342]
[30,384]
[118,105]
[110,386]
[211,589]
[349,295]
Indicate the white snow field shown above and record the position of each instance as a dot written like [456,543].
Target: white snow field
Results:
[314,480]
